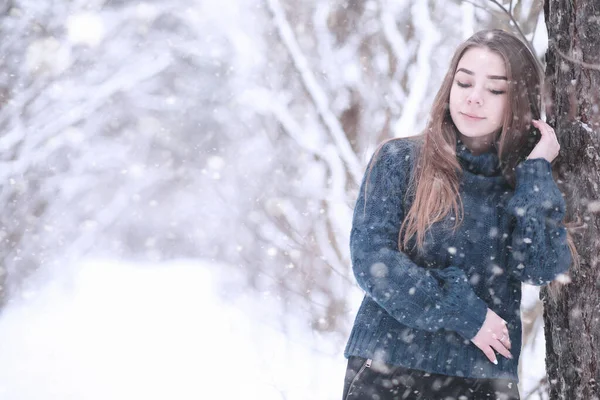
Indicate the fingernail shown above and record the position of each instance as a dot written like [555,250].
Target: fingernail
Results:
[510,356]
[495,362]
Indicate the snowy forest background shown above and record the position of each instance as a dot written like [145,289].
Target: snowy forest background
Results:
[178,178]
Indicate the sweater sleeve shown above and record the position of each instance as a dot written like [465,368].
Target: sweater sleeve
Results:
[426,299]
[539,250]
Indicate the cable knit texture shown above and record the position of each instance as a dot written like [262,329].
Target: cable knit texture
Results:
[420,310]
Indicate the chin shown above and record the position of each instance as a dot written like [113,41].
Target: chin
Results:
[472,133]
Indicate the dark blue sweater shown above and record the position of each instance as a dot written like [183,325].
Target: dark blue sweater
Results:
[421,310]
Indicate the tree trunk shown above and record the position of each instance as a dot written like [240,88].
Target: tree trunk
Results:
[571,314]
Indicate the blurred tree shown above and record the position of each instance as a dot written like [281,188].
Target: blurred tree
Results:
[114,119]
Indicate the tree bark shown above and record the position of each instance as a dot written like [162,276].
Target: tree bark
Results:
[571,314]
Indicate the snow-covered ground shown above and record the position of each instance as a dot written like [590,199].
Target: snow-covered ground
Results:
[124,331]
[115,330]
[533,364]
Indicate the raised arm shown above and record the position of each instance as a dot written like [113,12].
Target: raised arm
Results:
[538,251]
[427,299]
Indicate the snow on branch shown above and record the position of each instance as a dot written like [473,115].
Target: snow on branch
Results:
[47,129]
[401,50]
[430,37]
[264,102]
[317,94]
[330,253]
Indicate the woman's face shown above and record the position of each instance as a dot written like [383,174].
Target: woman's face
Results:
[478,97]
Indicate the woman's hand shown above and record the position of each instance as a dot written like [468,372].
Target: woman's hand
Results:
[548,146]
[493,335]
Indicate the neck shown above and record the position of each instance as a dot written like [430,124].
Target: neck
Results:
[477,145]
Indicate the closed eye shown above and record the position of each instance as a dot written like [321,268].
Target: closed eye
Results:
[492,91]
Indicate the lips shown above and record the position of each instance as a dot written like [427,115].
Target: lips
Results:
[472,117]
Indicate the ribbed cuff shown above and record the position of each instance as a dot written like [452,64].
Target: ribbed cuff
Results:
[468,311]
[535,186]
[533,169]
[471,317]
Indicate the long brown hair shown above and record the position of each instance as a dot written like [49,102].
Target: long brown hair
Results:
[437,170]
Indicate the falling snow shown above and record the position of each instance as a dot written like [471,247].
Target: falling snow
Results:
[231,135]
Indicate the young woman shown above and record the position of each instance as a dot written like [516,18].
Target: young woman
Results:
[448,225]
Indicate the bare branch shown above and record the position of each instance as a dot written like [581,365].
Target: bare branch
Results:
[329,252]
[48,127]
[401,50]
[537,390]
[518,28]
[266,102]
[316,93]
[477,5]
[595,67]
[430,34]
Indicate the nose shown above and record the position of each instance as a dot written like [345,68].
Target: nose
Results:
[475,97]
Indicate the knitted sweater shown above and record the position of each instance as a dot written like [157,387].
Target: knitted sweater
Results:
[421,310]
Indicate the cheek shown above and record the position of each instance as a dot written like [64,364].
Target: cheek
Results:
[454,100]
[501,106]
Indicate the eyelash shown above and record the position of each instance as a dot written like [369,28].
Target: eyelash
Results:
[466,85]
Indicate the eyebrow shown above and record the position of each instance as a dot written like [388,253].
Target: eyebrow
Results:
[466,71]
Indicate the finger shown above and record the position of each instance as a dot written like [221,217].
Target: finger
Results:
[500,348]
[553,137]
[506,342]
[541,126]
[489,352]
[546,130]
[551,131]
[504,339]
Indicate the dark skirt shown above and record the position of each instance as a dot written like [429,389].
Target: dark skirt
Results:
[367,380]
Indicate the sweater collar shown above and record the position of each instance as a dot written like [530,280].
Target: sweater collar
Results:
[486,164]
